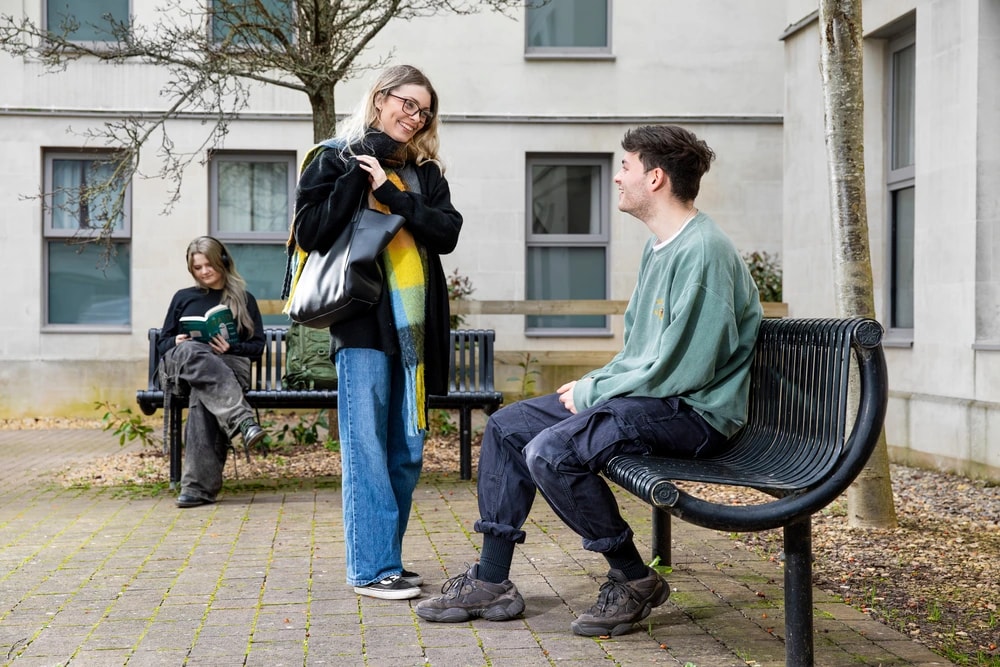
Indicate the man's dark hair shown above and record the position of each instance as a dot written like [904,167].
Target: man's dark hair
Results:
[678,152]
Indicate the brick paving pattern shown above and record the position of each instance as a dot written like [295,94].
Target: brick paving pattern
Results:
[102,577]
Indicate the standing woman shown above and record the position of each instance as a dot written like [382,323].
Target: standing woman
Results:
[392,357]
[214,373]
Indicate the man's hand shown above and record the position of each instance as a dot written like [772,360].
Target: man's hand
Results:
[566,396]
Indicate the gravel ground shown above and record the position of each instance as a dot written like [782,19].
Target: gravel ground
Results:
[935,578]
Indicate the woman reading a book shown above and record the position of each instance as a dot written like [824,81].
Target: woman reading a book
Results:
[214,370]
[393,356]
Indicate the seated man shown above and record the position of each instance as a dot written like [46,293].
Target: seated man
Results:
[678,387]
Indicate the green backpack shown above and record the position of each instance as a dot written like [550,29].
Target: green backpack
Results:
[307,359]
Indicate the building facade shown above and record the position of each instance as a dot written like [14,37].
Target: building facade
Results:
[932,159]
[533,107]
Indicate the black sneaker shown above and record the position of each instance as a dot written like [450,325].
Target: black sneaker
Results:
[622,603]
[184,500]
[252,434]
[412,578]
[466,597]
[390,588]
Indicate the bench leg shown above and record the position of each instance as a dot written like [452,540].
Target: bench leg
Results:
[798,594]
[174,433]
[465,443]
[661,535]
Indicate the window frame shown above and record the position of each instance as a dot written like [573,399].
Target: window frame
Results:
[91,42]
[258,238]
[897,179]
[51,235]
[568,52]
[52,154]
[236,46]
[217,157]
[599,239]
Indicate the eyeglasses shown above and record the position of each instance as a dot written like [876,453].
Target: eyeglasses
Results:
[410,107]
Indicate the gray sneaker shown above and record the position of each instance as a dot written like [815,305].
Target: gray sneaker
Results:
[622,603]
[466,597]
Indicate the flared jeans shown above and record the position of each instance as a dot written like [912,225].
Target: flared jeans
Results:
[380,462]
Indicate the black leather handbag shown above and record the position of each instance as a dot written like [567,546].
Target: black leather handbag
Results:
[346,280]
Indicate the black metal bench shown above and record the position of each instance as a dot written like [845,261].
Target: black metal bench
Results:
[470,387]
[795,447]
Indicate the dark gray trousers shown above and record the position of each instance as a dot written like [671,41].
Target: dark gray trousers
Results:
[214,385]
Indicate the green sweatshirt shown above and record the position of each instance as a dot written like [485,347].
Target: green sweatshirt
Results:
[690,329]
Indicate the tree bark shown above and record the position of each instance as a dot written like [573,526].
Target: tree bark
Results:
[324,114]
[869,499]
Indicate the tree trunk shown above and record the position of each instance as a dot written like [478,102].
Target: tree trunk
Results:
[869,499]
[324,113]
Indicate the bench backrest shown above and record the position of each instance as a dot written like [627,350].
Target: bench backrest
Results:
[470,366]
[799,400]
[801,405]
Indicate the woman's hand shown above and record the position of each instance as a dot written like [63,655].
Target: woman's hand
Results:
[180,338]
[219,344]
[376,175]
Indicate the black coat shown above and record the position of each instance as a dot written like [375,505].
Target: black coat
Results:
[329,191]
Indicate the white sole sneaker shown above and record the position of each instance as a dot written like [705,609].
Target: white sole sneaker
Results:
[390,588]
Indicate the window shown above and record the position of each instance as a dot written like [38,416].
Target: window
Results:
[86,20]
[567,27]
[567,238]
[252,195]
[902,112]
[87,283]
[246,22]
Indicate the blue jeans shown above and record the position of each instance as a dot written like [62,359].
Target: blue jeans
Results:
[381,464]
[538,444]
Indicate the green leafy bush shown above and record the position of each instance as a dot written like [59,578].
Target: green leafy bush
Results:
[459,287]
[766,271]
[127,425]
[310,429]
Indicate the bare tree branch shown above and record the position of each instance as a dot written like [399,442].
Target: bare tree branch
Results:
[214,54]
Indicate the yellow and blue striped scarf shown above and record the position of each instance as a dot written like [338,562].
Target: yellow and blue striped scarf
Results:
[406,272]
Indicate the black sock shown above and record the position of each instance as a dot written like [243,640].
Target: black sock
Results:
[494,561]
[627,559]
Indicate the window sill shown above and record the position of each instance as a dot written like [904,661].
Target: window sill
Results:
[602,57]
[902,338]
[86,328]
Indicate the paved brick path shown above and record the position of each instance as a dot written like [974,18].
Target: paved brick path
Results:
[102,577]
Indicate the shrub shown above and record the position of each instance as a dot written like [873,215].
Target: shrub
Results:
[766,272]
[459,287]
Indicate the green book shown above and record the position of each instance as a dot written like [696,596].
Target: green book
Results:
[215,321]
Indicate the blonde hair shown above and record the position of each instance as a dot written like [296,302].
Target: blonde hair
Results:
[423,147]
[234,287]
